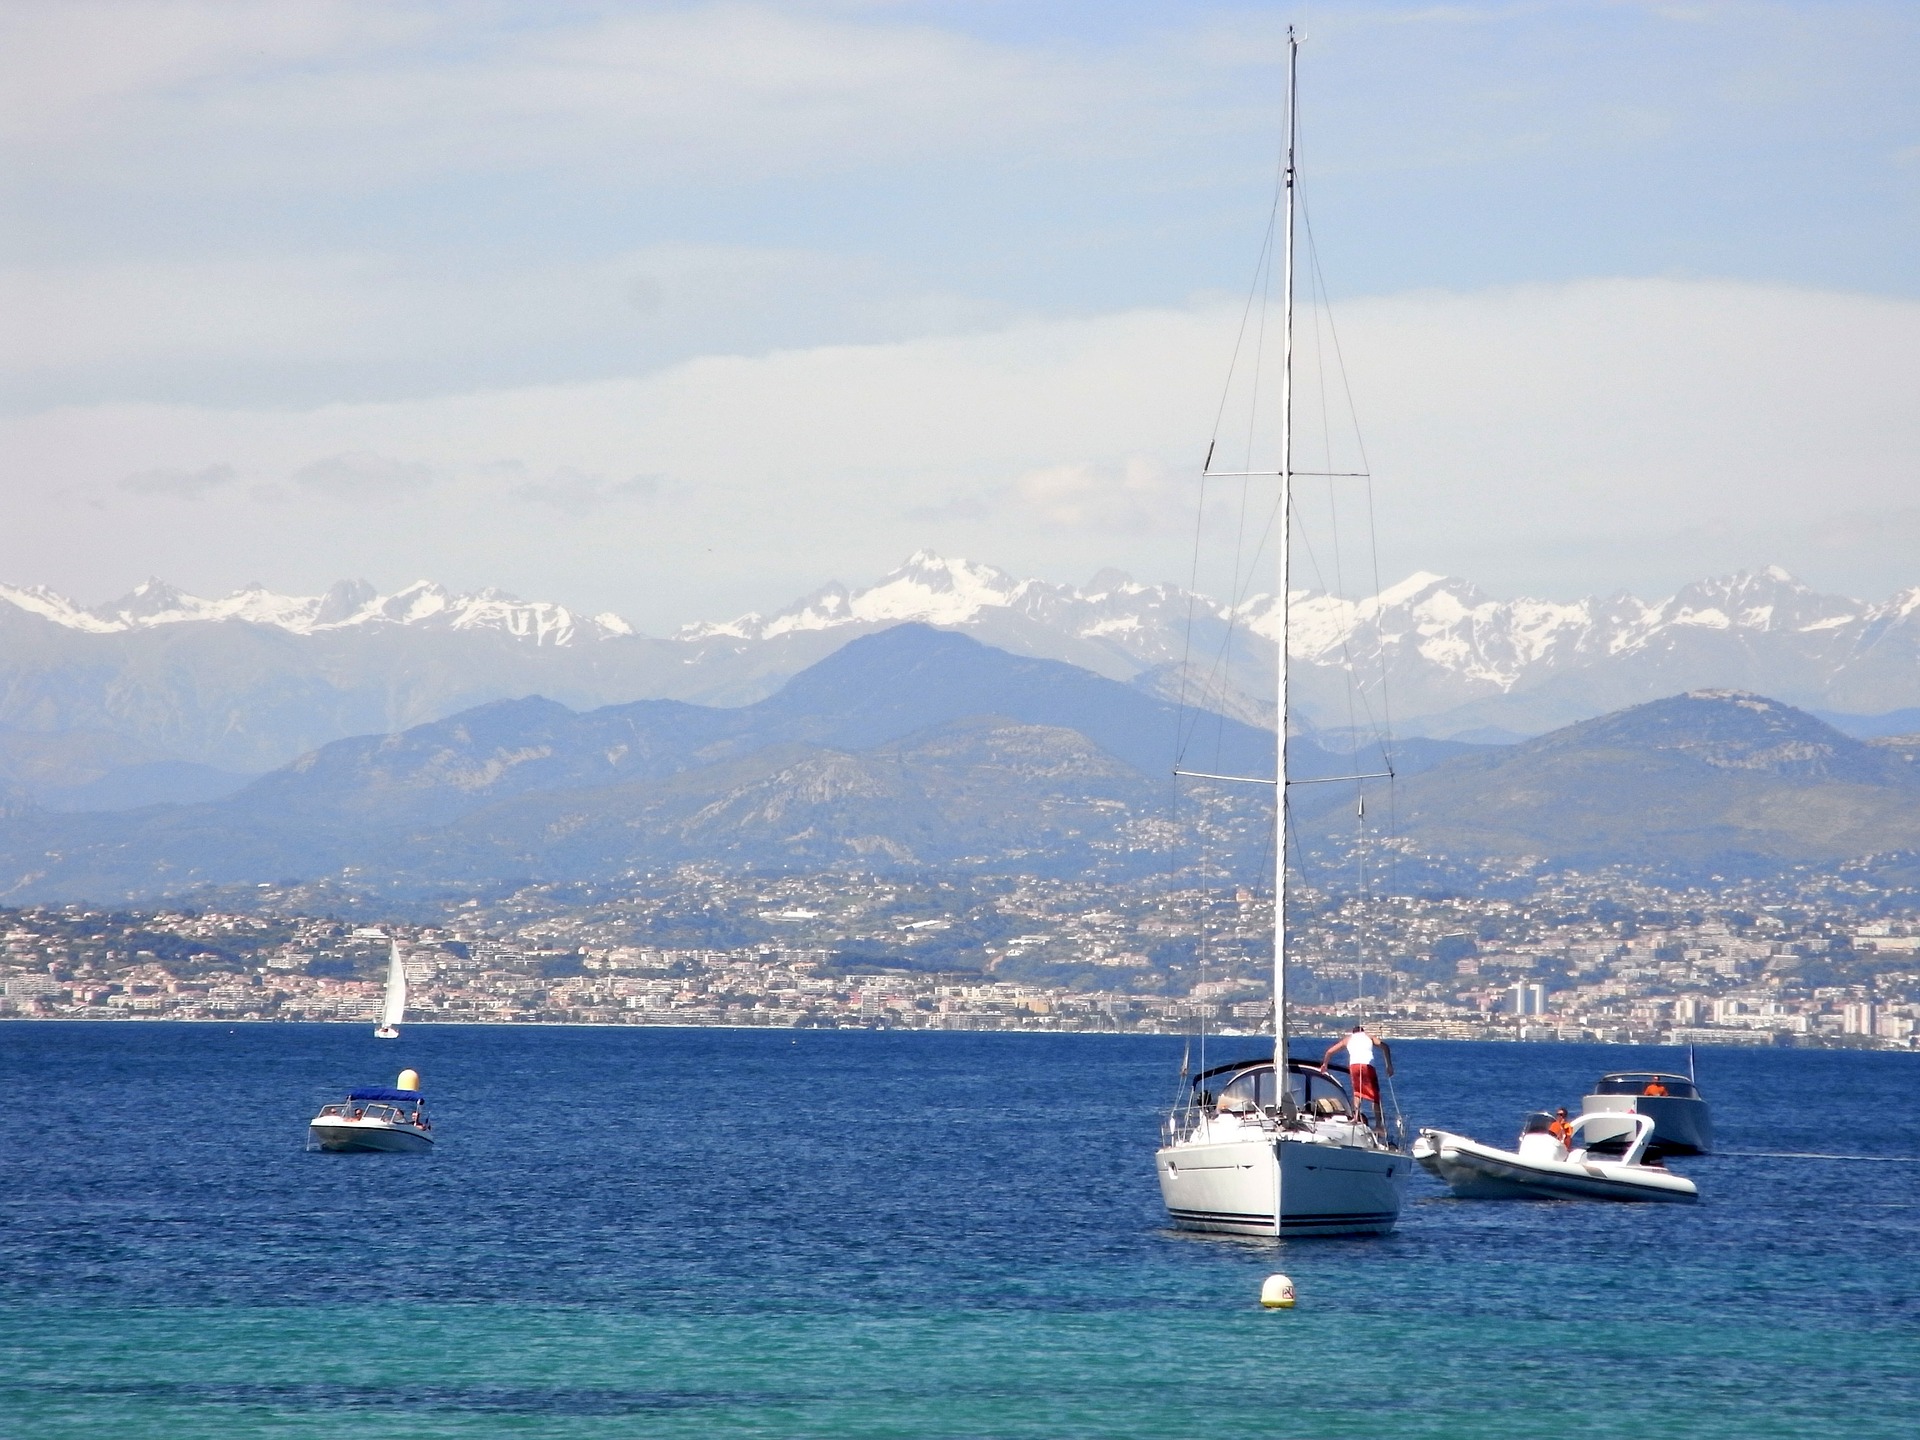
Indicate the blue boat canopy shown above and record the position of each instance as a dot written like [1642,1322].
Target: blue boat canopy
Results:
[383,1095]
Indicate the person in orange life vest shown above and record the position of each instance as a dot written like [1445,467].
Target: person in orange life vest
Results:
[1654,1087]
[1562,1128]
[1360,1045]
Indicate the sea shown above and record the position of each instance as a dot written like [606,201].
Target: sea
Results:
[659,1232]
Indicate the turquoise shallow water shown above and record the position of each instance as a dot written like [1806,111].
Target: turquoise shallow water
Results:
[647,1232]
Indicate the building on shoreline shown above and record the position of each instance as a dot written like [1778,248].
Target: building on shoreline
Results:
[1582,959]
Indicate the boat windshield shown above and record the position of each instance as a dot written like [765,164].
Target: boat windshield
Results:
[1636,1082]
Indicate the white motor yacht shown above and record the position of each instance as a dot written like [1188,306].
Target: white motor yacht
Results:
[1542,1167]
[1682,1123]
[375,1119]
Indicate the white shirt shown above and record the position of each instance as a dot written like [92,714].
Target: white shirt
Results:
[1359,1048]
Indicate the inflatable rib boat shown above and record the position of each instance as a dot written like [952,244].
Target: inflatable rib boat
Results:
[1543,1168]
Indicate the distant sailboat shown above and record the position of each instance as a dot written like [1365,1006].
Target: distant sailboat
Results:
[395,1005]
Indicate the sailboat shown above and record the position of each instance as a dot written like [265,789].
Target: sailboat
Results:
[394,1007]
[1275,1146]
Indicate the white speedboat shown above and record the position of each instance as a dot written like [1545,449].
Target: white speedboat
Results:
[375,1119]
[1237,1162]
[1545,1168]
[1261,1158]
[1682,1123]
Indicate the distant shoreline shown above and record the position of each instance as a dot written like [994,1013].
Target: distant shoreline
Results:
[1796,1043]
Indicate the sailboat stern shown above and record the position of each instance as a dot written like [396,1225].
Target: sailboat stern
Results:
[1340,1189]
[1282,1187]
[1228,1187]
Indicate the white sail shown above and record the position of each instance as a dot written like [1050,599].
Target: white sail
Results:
[395,1005]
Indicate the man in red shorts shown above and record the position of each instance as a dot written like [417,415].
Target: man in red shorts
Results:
[1365,1080]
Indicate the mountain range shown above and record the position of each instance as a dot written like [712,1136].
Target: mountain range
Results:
[910,747]
[1708,782]
[164,696]
[920,748]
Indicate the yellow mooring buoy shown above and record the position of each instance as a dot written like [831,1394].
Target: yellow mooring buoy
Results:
[409,1080]
[1277,1293]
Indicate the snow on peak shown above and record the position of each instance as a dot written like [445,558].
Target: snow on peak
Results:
[928,588]
[348,604]
[1427,623]
[1413,585]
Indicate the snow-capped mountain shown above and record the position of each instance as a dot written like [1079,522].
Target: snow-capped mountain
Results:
[1456,658]
[1113,612]
[1453,658]
[347,604]
[250,680]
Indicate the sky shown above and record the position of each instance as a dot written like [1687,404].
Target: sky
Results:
[680,310]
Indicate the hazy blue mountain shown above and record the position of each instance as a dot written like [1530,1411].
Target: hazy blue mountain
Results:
[919,746]
[977,791]
[1015,737]
[1706,781]
[155,782]
[876,689]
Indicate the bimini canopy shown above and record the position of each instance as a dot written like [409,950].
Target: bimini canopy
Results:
[406,1095]
[1294,1063]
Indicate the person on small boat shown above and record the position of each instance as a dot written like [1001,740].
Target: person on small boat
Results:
[1562,1128]
[1654,1087]
[1359,1044]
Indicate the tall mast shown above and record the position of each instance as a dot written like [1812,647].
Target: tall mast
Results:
[1285,531]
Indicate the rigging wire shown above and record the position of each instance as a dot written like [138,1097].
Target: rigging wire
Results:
[1385,731]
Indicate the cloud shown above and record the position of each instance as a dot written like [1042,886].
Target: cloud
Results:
[68,66]
[291,202]
[1545,439]
[363,475]
[302,328]
[577,493]
[181,484]
[332,95]
[1137,496]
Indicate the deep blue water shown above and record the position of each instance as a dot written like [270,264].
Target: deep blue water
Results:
[657,1232]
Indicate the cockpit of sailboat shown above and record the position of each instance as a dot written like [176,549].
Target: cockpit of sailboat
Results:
[1249,1086]
[1242,1094]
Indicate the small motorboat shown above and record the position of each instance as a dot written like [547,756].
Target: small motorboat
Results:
[1543,1168]
[375,1119]
[1682,1123]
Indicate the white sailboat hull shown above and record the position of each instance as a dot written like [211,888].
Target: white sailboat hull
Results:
[1281,1186]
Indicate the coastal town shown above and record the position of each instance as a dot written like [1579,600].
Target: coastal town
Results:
[1594,958]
